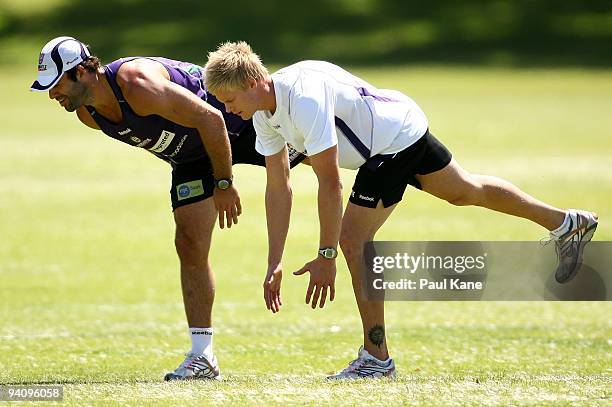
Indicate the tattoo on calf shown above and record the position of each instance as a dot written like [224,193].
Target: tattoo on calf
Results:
[377,335]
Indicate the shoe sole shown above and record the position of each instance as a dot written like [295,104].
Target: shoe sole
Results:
[167,378]
[389,376]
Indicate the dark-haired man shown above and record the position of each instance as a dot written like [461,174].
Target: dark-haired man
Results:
[162,106]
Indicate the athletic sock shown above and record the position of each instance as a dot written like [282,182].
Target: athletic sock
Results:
[201,341]
[385,362]
[564,228]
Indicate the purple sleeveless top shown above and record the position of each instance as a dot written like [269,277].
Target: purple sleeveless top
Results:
[167,140]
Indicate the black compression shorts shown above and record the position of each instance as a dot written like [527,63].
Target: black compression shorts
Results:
[386,177]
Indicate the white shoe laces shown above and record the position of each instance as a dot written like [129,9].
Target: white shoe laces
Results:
[545,241]
[189,357]
[353,366]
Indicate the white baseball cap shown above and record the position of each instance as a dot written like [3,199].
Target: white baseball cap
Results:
[58,56]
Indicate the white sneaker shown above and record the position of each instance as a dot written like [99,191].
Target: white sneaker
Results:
[570,245]
[196,367]
[366,366]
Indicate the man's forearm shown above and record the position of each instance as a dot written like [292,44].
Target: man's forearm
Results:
[217,145]
[330,212]
[278,212]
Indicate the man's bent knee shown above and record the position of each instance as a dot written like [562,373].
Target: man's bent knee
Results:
[191,246]
[352,247]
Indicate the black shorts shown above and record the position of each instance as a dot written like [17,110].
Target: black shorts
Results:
[194,181]
[385,177]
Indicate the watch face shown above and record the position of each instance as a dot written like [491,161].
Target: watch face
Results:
[329,253]
[223,184]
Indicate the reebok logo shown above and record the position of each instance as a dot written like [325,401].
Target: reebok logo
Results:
[124,132]
[276,126]
[366,198]
[202,333]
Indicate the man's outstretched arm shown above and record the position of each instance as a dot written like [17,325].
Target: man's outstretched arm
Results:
[323,270]
[278,211]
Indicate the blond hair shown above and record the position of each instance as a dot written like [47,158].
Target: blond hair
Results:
[231,66]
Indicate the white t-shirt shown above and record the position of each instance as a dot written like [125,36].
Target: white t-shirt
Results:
[320,105]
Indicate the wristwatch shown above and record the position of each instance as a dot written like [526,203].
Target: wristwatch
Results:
[224,183]
[328,252]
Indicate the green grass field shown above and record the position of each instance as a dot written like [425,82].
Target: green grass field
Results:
[90,294]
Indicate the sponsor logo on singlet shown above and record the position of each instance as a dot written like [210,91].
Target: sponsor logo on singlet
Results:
[189,189]
[144,142]
[178,146]
[164,141]
[124,132]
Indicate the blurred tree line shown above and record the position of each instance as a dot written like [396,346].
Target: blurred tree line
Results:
[498,32]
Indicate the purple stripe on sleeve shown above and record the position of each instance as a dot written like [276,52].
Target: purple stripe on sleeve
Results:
[352,138]
[364,92]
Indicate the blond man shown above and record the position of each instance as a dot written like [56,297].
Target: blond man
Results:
[340,121]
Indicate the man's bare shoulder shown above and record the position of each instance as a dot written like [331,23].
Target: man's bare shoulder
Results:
[142,82]
[139,72]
